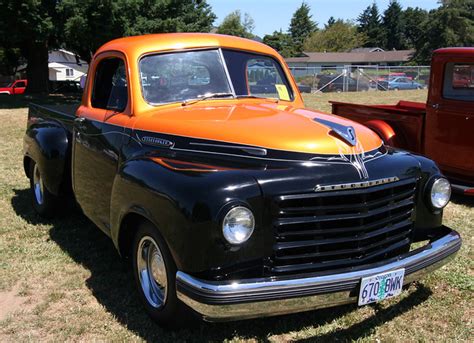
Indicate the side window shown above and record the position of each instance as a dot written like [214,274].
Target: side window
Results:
[264,78]
[458,81]
[20,84]
[110,85]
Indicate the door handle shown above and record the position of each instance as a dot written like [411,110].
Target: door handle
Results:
[435,106]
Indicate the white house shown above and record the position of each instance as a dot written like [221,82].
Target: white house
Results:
[65,66]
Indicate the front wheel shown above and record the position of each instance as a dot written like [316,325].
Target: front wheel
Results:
[155,277]
[44,202]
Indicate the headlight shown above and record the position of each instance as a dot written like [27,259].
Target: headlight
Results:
[238,225]
[440,193]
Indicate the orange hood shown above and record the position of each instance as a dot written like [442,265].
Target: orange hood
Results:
[265,125]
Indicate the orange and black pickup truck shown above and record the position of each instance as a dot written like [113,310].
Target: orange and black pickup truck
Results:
[195,154]
[442,128]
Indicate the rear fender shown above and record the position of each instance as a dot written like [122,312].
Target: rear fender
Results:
[47,144]
[385,132]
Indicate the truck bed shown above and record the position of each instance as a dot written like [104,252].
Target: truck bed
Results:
[406,118]
[64,114]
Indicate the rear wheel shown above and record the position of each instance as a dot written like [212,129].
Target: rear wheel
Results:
[44,202]
[155,277]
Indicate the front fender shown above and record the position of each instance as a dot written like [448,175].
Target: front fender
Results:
[186,205]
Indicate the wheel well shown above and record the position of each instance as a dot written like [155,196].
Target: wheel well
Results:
[127,232]
[26,165]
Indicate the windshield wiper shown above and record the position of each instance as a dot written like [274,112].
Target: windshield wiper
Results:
[206,97]
[256,97]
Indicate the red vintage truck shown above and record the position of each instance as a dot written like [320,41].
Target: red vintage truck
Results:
[15,87]
[442,128]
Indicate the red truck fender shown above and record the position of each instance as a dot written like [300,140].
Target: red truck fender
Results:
[384,130]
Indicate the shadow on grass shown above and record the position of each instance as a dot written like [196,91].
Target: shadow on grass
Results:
[21,100]
[111,282]
[463,200]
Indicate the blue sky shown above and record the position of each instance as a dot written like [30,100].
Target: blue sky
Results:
[271,15]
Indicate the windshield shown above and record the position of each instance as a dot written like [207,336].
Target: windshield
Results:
[200,74]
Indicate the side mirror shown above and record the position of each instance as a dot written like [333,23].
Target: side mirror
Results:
[82,81]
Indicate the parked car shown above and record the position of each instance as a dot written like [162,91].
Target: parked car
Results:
[15,87]
[232,204]
[333,83]
[304,88]
[399,83]
[441,128]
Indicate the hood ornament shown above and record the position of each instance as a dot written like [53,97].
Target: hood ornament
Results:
[345,133]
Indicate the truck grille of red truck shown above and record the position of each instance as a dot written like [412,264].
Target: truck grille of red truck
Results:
[342,229]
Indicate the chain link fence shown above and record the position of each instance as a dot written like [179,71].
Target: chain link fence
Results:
[353,78]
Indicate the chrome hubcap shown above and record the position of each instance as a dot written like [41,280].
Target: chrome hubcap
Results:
[38,185]
[152,272]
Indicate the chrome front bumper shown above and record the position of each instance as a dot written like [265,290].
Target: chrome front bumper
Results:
[241,299]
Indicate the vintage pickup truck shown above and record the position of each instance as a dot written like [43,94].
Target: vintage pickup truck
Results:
[231,201]
[441,129]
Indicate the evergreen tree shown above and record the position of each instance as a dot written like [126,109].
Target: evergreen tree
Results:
[394,27]
[339,37]
[301,26]
[414,20]
[331,22]
[281,42]
[370,24]
[450,25]
[234,25]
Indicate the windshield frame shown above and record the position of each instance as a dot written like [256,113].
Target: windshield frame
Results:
[224,64]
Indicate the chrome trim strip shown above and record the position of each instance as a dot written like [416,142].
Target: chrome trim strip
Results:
[352,185]
[229,79]
[266,296]
[248,149]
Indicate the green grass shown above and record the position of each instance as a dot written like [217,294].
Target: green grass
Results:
[63,280]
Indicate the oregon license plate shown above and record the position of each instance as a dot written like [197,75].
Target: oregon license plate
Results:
[381,286]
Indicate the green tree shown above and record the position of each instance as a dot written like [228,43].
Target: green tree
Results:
[339,37]
[301,26]
[370,24]
[281,42]
[91,23]
[234,25]
[10,60]
[31,27]
[394,26]
[414,21]
[450,25]
[331,22]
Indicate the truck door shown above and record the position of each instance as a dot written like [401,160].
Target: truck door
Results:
[98,138]
[449,135]
[19,87]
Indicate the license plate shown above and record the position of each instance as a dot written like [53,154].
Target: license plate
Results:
[381,286]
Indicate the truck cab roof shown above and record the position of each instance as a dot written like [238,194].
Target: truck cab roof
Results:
[139,45]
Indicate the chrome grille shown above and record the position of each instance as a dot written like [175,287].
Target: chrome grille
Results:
[343,228]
